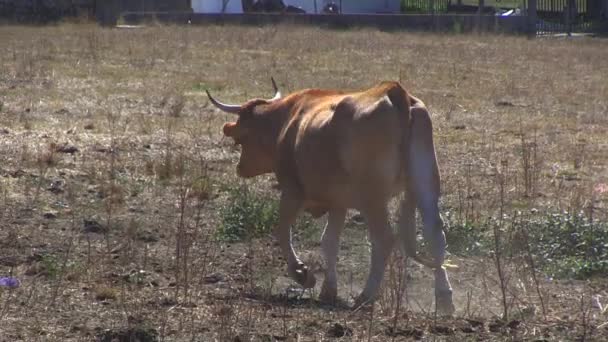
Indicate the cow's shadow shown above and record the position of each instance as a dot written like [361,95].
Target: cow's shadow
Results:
[297,298]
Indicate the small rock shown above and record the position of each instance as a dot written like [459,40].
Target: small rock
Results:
[147,236]
[34,257]
[468,330]
[528,312]
[17,173]
[35,269]
[77,328]
[504,103]
[66,149]
[358,219]
[441,330]
[92,226]
[270,338]
[139,334]
[338,330]
[213,278]
[595,302]
[103,149]
[168,301]
[410,332]
[514,324]
[50,215]
[475,323]
[56,187]
[496,326]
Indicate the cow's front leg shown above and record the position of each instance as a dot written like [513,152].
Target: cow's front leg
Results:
[289,208]
[382,240]
[330,245]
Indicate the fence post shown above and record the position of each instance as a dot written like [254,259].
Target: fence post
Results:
[432,10]
[480,14]
[532,17]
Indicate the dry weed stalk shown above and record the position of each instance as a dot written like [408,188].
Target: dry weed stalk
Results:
[531,166]
[529,257]
[585,313]
[182,238]
[371,320]
[67,255]
[498,245]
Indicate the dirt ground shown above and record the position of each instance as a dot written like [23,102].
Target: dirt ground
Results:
[114,176]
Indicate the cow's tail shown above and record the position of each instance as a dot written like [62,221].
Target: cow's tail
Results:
[406,104]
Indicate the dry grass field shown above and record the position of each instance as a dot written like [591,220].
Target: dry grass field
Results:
[123,219]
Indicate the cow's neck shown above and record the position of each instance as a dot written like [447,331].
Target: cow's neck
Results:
[278,120]
[283,124]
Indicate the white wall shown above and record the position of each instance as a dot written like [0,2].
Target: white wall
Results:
[215,6]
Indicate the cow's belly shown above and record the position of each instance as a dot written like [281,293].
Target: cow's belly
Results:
[351,192]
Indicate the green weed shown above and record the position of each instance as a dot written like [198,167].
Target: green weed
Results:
[564,245]
[247,215]
[250,215]
[569,245]
[466,238]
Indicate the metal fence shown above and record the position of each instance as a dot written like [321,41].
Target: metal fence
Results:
[558,6]
[424,6]
[570,16]
[550,16]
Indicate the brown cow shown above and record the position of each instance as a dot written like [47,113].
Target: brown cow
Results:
[333,150]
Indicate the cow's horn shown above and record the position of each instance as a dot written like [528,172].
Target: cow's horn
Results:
[228,108]
[277,93]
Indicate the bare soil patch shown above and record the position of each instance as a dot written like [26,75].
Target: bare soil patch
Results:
[114,174]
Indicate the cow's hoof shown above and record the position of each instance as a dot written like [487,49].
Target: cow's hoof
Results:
[328,295]
[304,277]
[444,303]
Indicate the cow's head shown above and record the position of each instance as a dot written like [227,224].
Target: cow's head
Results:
[252,131]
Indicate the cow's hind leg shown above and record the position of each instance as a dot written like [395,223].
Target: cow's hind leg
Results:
[382,239]
[407,224]
[289,208]
[425,184]
[330,245]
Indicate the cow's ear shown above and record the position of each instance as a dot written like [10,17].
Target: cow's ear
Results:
[229,129]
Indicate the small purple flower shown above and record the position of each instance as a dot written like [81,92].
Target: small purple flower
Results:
[9,282]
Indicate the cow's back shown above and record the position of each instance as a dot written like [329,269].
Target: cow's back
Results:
[348,148]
